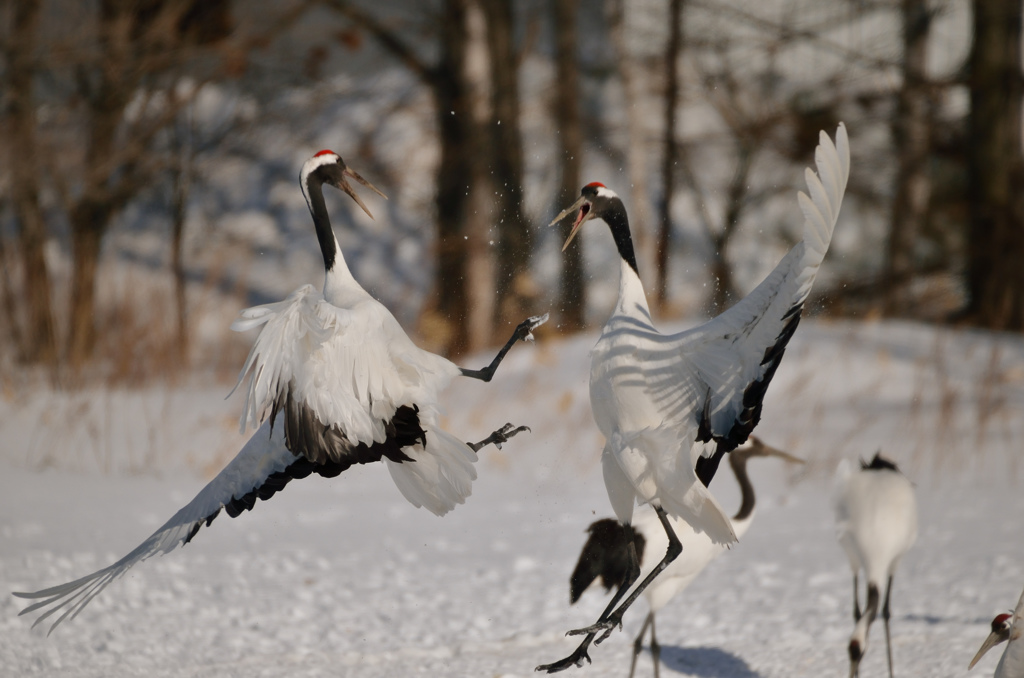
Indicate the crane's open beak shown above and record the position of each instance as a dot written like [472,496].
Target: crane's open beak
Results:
[347,188]
[993,639]
[584,214]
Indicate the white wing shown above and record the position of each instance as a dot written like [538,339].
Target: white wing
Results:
[729,361]
[339,376]
[262,467]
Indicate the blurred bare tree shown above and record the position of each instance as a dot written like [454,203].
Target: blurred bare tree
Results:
[669,155]
[516,292]
[911,133]
[469,144]
[572,292]
[38,341]
[995,277]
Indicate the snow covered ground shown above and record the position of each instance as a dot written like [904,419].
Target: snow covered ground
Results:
[343,577]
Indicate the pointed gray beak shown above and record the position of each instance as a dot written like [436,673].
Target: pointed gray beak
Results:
[993,639]
[761,449]
[347,188]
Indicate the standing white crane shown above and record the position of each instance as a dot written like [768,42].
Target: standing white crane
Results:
[876,524]
[1008,628]
[606,553]
[344,384]
[658,398]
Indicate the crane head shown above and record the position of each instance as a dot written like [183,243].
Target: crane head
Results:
[1000,633]
[327,167]
[594,197]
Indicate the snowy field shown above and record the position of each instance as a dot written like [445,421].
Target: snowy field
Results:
[343,578]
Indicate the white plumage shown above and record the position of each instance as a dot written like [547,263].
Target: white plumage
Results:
[1009,629]
[605,554]
[659,398]
[333,381]
[876,524]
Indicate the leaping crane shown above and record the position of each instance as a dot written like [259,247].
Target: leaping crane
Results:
[344,385]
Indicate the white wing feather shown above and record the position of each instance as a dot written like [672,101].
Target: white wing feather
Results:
[728,353]
[354,367]
[262,456]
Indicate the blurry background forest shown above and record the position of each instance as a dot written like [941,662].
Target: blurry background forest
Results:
[151,148]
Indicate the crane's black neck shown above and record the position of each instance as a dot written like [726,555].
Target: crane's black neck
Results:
[322,221]
[618,222]
[738,461]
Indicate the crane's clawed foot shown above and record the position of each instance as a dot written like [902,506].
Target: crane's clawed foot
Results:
[499,437]
[524,331]
[603,626]
[502,435]
[575,659]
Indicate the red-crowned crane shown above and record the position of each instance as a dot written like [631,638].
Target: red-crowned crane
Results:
[659,398]
[1008,628]
[606,553]
[876,524]
[344,384]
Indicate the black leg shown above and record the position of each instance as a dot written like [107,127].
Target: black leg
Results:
[638,644]
[655,650]
[577,657]
[499,437]
[885,619]
[856,600]
[614,619]
[607,622]
[523,332]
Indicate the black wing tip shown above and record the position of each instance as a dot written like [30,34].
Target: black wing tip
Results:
[879,463]
[606,555]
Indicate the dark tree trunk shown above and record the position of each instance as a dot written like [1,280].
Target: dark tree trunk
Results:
[572,293]
[454,175]
[995,276]
[911,135]
[89,221]
[637,147]
[39,343]
[515,238]
[724,293]
[180,184]
[668,166]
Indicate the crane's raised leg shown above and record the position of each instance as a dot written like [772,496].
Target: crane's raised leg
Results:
[885,620]
[499,437]
[607,622]
[523,332]
[638,644]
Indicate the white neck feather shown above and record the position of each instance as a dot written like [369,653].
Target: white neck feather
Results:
[340,287]
[632,299]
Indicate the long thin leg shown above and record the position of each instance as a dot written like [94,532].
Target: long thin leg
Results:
[885,619]
[610,621]
[856,599]
[523,332]
[638,644]
[499,437]
[655,650]
[577,657]
[607,622]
